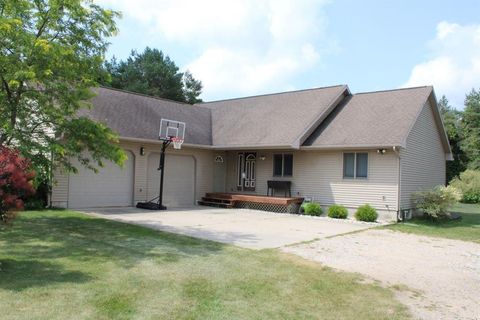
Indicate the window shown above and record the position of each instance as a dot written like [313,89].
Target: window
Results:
[355,165]
[283,165]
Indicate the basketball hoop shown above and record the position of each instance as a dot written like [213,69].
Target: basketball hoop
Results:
[177,143]
[171,131]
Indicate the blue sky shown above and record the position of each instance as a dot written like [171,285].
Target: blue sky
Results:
[247,47]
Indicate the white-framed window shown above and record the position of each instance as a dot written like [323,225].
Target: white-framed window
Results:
[355,165]
[283,165]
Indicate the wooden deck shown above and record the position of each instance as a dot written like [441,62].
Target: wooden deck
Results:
[228,200]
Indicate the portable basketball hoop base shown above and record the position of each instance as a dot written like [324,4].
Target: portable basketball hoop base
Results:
[171,131]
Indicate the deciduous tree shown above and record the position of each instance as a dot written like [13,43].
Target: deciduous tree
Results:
[15,183]
[51,54]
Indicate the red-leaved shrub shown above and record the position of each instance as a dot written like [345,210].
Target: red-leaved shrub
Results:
[15,182]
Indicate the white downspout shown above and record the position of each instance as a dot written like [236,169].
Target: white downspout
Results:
[397,152]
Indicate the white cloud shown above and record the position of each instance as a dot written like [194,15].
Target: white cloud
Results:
[242,46]
[454,66]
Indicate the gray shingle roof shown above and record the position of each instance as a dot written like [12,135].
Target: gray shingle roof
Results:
[269,120]
[138,116]
[382,118]
[282,120]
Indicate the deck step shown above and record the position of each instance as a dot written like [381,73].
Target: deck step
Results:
[215,204]
[217,200]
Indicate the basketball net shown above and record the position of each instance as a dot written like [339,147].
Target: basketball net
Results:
[177,143]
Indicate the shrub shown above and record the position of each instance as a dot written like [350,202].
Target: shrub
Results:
[15,183]
[469,184]
[313,209]
[434,203]
[366,213]
[471,197]
[337,211]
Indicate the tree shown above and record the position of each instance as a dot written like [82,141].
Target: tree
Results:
[451,120]
[471,129]
[51,54]
[155,74]
[15,183]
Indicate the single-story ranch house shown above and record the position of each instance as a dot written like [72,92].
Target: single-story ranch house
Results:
[332,146]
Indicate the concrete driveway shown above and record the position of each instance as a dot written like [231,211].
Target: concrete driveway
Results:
[241,227]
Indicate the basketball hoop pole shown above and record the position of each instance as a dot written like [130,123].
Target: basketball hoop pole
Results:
[171,131]
[162,168]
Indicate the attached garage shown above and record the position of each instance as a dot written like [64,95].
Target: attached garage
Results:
[179,180]
[112,186]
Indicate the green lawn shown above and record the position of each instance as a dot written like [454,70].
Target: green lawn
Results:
[65,265]
[468,228]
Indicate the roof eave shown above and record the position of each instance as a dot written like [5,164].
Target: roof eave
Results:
[154,141]
[353,146]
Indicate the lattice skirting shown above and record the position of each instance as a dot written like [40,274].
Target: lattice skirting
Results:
[291,208]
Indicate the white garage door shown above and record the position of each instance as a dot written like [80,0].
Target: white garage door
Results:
[179,180]
[112,186]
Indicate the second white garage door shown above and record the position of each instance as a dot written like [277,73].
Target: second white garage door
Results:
[179,180]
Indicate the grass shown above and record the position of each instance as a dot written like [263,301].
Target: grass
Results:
[467,229]
[65,265]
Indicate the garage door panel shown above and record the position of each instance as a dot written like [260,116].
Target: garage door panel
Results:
[111,186]
[179,180]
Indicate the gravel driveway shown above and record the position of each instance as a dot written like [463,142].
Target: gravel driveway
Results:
[437,278]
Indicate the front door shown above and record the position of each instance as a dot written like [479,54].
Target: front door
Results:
[246,171]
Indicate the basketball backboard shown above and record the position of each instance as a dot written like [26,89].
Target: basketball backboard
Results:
[171,129]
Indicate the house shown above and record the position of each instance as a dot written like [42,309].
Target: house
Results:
[333,146]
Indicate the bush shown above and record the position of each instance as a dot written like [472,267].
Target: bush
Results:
[434,203]
[15,183]
[366,213]
[337,211]
[313,209]
[470,197]
[469,184]
[34,204]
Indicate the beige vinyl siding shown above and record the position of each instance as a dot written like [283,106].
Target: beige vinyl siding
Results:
[204,162]
[59,197]
[423,161]
[319,175]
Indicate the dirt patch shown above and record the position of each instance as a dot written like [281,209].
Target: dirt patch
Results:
[436,278]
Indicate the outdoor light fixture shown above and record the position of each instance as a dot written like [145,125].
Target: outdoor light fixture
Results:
[263,158]
[381,151]
[142,151]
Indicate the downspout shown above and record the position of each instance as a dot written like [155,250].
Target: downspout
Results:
[397,152]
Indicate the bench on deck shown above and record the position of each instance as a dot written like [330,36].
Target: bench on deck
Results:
[279,185]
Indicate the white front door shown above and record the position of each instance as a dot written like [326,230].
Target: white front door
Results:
[246,171]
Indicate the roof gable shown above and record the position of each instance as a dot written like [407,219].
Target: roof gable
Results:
[276,120]
[382,118]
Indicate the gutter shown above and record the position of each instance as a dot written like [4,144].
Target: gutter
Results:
[198,146]
[353,146]
[268,147]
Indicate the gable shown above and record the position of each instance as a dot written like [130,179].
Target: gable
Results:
[428,126]
[374,119]
[276,120]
